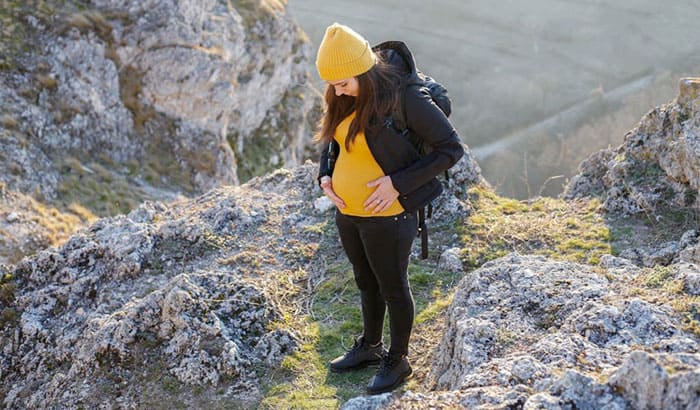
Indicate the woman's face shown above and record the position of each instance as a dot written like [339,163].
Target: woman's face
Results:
[348,86]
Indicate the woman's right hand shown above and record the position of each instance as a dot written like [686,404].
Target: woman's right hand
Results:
[327,187]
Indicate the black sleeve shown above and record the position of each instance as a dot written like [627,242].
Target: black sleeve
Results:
[326,163]
[427,121]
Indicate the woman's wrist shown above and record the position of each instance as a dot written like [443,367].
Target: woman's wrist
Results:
[324,181]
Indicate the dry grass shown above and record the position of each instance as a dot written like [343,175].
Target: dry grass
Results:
[428,330]
[96,188]
[8,121]
[574,231]
[49,226]
[86,20]
[659,285]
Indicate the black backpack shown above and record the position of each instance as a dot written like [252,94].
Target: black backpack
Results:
[440,97]
[397,120]
[398,54]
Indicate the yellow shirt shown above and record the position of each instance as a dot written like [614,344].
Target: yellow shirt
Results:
[353,170]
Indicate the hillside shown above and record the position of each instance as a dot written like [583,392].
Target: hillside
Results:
[240,296]
[105,104]
[139,270]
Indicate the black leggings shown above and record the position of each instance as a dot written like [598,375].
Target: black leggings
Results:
[378,249]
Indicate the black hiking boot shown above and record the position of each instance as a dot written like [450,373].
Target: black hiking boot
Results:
[393,370]
[359,356]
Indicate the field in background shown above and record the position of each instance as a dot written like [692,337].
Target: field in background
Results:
[539,85]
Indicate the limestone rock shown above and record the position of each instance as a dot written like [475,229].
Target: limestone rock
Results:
[167,295]
[644,381]
[614,262]
[368,403]
[690,275]
[450,261]
[658,165]
[323,204]
[544,332]
[163,98]
[691,254]
[576,390]
[496,306]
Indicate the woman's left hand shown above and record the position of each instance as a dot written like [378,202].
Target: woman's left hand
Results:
[382,197]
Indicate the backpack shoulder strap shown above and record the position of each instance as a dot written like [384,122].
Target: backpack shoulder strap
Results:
[398,115]
[423,232]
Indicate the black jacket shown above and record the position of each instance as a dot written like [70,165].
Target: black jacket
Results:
[412,175]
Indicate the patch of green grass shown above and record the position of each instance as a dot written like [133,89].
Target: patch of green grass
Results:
[306,387]
[574,230]
[435,308]
[304,381]
[92,185]
[432,289]
[573,244]
[689,309]
[508,206]
[659,276]
[335,319]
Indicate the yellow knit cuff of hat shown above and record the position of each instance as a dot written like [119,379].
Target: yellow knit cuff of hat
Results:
[343,54]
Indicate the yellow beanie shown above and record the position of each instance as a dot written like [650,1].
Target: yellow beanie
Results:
[343,54]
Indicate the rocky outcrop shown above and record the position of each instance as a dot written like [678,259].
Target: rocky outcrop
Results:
[658,165]
[140,305]
[528,332]
[192,302]
[197,302]
[665,253]
[108,105]
[172,95]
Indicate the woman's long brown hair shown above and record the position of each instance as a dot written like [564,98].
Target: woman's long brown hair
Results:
[376,98]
